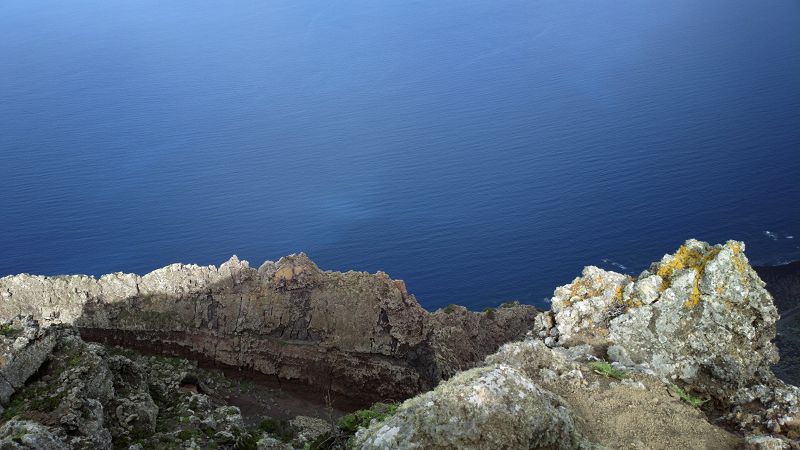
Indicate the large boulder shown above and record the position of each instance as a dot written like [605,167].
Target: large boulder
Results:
[700,318]
[489,407]
[711,325]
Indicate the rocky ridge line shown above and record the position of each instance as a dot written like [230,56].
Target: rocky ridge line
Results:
[344,332]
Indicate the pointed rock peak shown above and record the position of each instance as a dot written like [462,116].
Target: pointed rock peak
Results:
[234,264]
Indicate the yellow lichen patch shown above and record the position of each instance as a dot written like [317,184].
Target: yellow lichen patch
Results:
[684,258]
[687,258]
[738,259]
[582,289]
[633,302]
[694,297]
[618,294]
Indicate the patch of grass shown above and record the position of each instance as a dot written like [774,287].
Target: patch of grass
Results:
[510,304]
[246,441]
[18,437]
[451,308]
[185,435]
[607,370]
[359,419]
[688,398]
[7,329]
[280,429]
[34,398]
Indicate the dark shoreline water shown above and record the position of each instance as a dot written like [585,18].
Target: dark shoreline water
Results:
[482,151]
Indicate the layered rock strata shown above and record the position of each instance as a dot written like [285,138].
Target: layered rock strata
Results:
[347,332]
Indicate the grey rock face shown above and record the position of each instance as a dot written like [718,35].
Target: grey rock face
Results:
[484,408]
[700,317]
[23,434]
[462,338]
[341,331]
[23,348]
[712,324]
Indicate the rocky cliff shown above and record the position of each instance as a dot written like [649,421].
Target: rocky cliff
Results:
[677,357]
[345,332]
[680,356]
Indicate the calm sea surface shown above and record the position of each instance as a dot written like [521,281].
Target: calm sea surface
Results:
[481,150]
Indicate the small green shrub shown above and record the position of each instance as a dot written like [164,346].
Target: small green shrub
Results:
[688,398]
[6,329]
[451,308]
[185,435]
[280,429]
[246,441]
[607,370]
[359,419]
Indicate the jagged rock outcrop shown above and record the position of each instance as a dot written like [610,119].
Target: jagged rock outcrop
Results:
[700,318]
[24,347]
[348,332]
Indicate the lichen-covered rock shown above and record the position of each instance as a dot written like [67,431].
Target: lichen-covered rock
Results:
[700,317]
[485,408]
[762,442]
[540,363]
[308,430]
[585,306]
[712,325]
[24,434]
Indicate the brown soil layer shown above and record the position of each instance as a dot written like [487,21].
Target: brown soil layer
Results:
[257,395]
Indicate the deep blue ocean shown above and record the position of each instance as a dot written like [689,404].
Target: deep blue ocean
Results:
[482,150]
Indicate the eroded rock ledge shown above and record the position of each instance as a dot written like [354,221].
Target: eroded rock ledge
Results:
[347,332]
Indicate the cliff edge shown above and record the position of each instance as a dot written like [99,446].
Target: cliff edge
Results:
[344,332]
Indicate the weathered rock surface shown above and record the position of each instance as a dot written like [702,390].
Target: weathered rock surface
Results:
[460,338]
[24,348]
[86,395]
[532,396]
[348,332]
[700,318]
[484,408]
